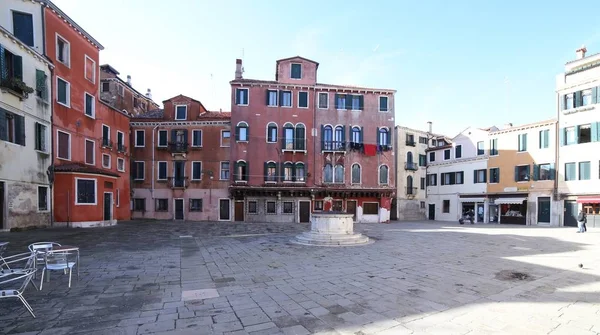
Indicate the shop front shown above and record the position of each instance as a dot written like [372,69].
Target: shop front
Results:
[475,205]
[513,210]
[591,206]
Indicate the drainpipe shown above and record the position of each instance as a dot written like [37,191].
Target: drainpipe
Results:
[51,167]
[153,149]
[556,151]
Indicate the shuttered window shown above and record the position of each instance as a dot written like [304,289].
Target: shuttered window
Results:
[86,191]
[23,27]
[12,127]
[40,137]
[89,152]
[41,85]
[64,145]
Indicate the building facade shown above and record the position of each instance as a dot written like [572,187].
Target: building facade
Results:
[181,166]
[456,176]
[25,119]
[311,146]
[121,94]
[578,182]
[521,174]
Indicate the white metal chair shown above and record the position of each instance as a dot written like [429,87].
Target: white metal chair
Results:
[17,264]
[40,249]
[13,282]
[3,247]
[58,261]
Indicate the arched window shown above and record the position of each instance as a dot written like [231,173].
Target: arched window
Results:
[356,135]
[339,174]
[300,137]
[409,158]
[241,132]
[327,138]
[383,175]
[328,173]
[409,185]
[383,138]
[272,132]
[300,172]
[271,171]
[355,174]
[288,171]
[338,138]
[241,171]
[288,136]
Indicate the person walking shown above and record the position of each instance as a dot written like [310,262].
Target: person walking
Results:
[581,221]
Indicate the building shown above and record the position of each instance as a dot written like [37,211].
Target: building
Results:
[457,175]
[578,102]
[121,95]
[520,183]
[311,146]
[25,119]
[181,165]
[91,156]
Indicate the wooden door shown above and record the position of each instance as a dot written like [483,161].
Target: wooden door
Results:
[107,206]
[570,219]
[304,211]
[431,211]
[351,208]
[239,211]
[178,209]
[224,210]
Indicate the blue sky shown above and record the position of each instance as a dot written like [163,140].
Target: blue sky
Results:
[456,63]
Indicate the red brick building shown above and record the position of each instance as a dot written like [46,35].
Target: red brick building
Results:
[91,139]
[180,166]
[299,144]
[121,94]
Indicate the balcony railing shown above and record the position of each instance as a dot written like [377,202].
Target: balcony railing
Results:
[411,166]
[411,190]
[333,146]
[178,147]
[292,144]
[411,143]
[179,182]
[106,143]
[121,147]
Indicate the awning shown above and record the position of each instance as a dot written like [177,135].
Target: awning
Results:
[471,199]
[509,201]
[589,200]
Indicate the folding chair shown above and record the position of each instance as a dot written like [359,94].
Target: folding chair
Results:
[13,282]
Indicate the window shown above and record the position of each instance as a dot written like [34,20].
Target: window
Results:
[196,138]
[383,175]
[446,206]
[90,106]
[571,135]
[271,209]
[522,173]
[422,140]
[383,104]
[288,207]
[446,154]
[357,102]
[86,191]
[480,148]
[570,171]
[494,147]
[522,142]
[180,112]
[225,138]
[106,87]
[356,135]
[338,138]
[224,171]
[195,205]
[23,27]
[318,205]
[585,133]
[138,170]
[140,138]
[422,183]
[272,98]
[452,178]
[196,170]
[584,171]
[432,179]
[383,136]
[323,100]
[41,85]
[337,205]
[327,138]
[120,141]
[241,96]
[328,173]
[272,132]
[340,101]
[544,139]
[139,205]
[105,136]
[106,161]
[271,172]
[241,132]
[338,174]
[162,171]
[457,151]
[296,71]
[40,137]
[355,174]
[42,198]
[586,98]
[431,157]
[252,207]
[494,175]
[162,138]
[162,205]
[569,101]
[303,99]
[63,52]
[121,90]
[299,172]
[63,92]
[90,69]
[479,176]
[286,98]
[422,160]
[422,204]
[63,145]
[410,140]
[370,208]
[90,156]
[288,171]
[544,172]
[121,164]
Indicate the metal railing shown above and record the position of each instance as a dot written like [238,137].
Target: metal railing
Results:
[411,166]
[293,144]
[178,147]
[333,146]
[411,190]
[121,147]
[106,143]
[411,143]
[180,182]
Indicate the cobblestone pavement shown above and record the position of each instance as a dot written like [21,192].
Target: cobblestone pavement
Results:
[226,278]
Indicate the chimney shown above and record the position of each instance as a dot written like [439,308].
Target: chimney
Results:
[430,129]
[149,94]
[129,80]
[508,125]
[581,52]
[238,69]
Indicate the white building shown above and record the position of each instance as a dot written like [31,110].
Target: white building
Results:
[456,176]
[25,114]
[578,95]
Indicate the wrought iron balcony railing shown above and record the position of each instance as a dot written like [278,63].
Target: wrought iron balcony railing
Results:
[178,147]
[411,166]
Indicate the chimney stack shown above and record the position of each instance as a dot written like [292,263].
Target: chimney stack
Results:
[129,80]
[238,69]
[430,129]
[149,94]
[581,52]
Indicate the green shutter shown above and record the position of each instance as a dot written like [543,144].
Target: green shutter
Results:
[577,101]
[594,95]
[377,137]
[280,99]
[552,172]
[18,66]
[348,101]
[3,130]
[350,137]
[576,135]
[185,136]
[237,133]
[389,138]
[498,175]
[322,137]
[3,67]
[598,94]
[594,131]
[335,102]
[343,135]
[361,102]
[516,173]
[247,176]
[268,94]
[19,129]
[237,96]
[266,171]
[563,102]
[524,136]
[362,132]
[474,176]
[536,172]
[282,171]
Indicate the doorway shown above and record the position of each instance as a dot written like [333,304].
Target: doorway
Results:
[107,206]
[543,210]
[480,212]
[431,211]
[493,213]
[2,224]
[351,208]
[224,212]
[304,211]
[394,210]
[178,209]
[570,213]
[179,174]
[239,211]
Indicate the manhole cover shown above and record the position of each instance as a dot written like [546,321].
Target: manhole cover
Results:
[513,275]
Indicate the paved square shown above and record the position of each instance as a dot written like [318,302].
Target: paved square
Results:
[229,278]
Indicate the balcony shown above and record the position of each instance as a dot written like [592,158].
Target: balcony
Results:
[121,148]
[178,182]
[17,87]
[106,143]
[334,146]
[411,191]
[293,144]
[178,147]
[411,166]
[411,143]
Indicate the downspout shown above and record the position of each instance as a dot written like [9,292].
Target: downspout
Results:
[153,148]
[556,151]
[50,171]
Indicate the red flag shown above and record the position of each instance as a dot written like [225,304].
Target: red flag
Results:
[370,150]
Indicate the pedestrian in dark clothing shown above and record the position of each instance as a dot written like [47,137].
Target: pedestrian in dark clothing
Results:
[581,221]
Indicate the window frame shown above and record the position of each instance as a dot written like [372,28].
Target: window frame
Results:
[307,99]
[135,202]
[369,203]
[477,172]
[550,177]
[589,169]
[445,209]
[272,125]
[137,178]
[67,90]
[119,159]
[335,181]
[47,199]
[192,172]
[85,141]
[58,145]
[497,181]
[158,164]
[431,154]
[102,90]
[387,107]
[194,209]
[269,92]
[109,161]
[239,89]
[166,132]
[122,137]
[522,142]
[543,144]
[318,205]
[194,137]
[574,170]
[456,151]
[352,182]
[222,132]
[85,95]
[85,74]
[482,152]
[238,127]
[156,202]
[282,92]
[319,100]
[494,147]
[255,211]
[528,174]
[68,48]
[121,90]
[12,18]
[283,209]
[38,137]
[449,154]
[292,71]
[221,170]
[185,114]
[77,179]
[274,207]
[143,131]
[387,181]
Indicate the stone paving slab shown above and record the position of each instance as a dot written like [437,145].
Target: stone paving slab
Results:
[230,278]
